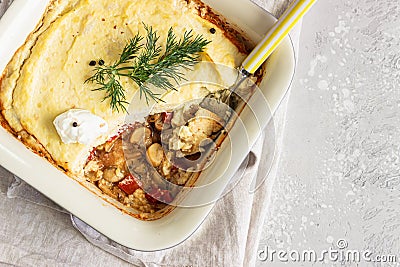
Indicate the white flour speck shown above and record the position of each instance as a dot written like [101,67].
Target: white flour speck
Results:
[314,63]
[342,27]
[323,85]
[349,105]
[346,92]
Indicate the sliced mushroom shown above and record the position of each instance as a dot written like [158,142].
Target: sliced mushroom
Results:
[206,122]
[93,171]
[154,118]
[159,123]
[113,174]
[155,154]
[141,135]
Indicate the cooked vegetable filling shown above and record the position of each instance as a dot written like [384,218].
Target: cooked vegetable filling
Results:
[138,167]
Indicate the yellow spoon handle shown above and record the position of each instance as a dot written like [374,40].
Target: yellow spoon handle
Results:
[276,34]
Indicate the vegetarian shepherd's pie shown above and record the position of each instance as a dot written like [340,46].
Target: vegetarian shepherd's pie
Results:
[66,90]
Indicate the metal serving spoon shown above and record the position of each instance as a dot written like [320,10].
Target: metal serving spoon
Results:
[257,57]
[264,49]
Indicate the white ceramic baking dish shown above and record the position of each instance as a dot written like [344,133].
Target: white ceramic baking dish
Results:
[21,19]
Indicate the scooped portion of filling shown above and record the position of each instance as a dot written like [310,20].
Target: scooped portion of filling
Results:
[139,166]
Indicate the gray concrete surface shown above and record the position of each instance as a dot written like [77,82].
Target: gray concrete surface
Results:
[339,176]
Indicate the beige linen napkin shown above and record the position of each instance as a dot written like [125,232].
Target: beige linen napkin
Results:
[230,234]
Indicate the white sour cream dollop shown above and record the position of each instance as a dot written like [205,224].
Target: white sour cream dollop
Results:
[79,126]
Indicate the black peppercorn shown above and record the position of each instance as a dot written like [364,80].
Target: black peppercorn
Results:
[101,62]
[92,63]
[75,124]
[212,30]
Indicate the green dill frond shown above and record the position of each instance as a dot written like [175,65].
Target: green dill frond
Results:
[144,64]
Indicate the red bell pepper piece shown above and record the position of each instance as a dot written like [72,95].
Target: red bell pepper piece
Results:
[129,184]
[157,195]
[167,117]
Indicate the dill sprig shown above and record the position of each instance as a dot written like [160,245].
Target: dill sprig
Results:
[145,64]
